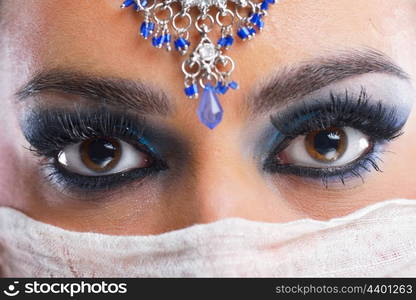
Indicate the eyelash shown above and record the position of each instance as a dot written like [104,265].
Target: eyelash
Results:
[379,122]
[49,131]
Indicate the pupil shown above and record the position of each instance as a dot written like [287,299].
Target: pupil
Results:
[101,152]
[327,141]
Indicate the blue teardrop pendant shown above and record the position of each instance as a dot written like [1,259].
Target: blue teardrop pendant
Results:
[210,111]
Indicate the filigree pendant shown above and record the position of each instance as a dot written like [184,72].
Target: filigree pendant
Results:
[206,67]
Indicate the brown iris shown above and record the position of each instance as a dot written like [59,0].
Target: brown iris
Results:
[326,145]
[100,154]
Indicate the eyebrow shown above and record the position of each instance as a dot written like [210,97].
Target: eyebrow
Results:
[131,94]
[286,84]
[291,83]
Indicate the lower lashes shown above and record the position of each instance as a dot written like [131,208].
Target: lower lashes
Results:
[356,169]
[75,182]
[365,165]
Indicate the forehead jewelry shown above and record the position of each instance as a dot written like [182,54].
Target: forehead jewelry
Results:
[206,68]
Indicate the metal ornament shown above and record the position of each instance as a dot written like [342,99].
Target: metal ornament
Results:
[206,68]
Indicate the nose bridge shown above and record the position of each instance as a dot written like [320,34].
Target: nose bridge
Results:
[225,183]
[219,173]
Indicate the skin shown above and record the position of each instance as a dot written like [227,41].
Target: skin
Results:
[218,177]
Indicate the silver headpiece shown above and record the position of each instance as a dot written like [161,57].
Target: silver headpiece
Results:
[206,68]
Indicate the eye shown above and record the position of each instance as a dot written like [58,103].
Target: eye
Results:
[102,156]
[328,148]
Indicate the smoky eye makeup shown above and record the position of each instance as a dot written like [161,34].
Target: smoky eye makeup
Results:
[333,139]
[92,149]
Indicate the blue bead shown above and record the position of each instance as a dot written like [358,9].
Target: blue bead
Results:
[146,29]
[157,41]
[210,111]
[191,90]
[264,5]
[260,24]
[271,1]
[143,4]
[222,42]
[127,3]
[229,40]
[181,43]
[166,38]
[145,33]
[233,85]
[252,31]
[243,33]
[143,29]
[221,88]
[151,26]
[226,41]
[255,18]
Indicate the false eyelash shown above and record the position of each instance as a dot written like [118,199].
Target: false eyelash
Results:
[377,120]
[50,130]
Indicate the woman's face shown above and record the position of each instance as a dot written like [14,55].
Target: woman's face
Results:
[104,139]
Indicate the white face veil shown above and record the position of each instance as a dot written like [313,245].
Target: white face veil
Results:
[376,241]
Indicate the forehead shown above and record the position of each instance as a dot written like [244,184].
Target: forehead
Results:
[97,36]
